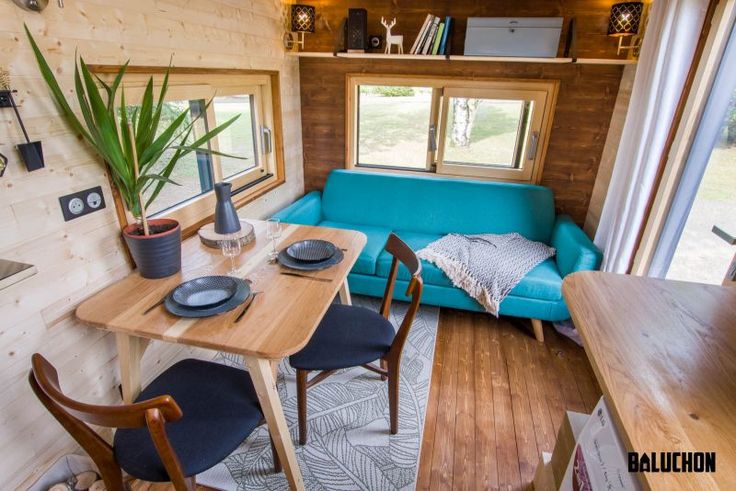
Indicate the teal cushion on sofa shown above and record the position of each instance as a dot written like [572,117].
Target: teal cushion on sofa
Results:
[437,205]
[377,237]
[431,274]
[543,283]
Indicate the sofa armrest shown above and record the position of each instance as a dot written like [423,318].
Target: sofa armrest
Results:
[575,251]
[305,211]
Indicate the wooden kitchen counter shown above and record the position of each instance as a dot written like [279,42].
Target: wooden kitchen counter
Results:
[664,353]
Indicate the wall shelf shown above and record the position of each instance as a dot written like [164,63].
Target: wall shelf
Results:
[504,59]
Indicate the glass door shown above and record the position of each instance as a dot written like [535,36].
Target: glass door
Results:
[704,253]
[697,240]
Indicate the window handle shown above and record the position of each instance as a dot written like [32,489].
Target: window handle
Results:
[267,139]
[730,239]
[531,154]
[432,143]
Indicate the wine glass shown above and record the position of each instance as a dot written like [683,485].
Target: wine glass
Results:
[231,247]
[273,232]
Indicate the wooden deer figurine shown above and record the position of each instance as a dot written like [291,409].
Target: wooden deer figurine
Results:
[392,39]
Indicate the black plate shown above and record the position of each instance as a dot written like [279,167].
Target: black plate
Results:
[241,293]
[289,262]
[311,250]
[204,292]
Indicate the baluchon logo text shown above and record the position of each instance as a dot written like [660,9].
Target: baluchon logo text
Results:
[672,462]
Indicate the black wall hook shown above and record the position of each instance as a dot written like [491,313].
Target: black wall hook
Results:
[31,151]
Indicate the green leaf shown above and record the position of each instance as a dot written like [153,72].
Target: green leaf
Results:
[213,133]
[143,180]
[145,116]
[105,121]
[166,172]
[112,89]
[209,151]
[163,140]
[48,76]
[127,137]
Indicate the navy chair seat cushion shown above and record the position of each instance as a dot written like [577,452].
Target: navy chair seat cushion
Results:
[346,337]
[220,408]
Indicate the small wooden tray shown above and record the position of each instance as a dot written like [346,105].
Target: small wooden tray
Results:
[211,239]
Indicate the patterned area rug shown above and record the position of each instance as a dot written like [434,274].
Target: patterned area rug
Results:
[349,444]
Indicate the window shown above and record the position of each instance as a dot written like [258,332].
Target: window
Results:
[485,129]
[245,154]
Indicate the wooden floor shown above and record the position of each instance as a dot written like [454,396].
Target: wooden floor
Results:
[496,401]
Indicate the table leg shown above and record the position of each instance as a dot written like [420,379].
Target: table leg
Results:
[261,373]
[345,294]
[130,353]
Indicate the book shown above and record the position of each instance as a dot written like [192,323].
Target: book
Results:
[445,33]
[427,33]
[438,38]
[420,36]
[430,38]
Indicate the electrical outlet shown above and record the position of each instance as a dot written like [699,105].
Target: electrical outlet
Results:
[81,203]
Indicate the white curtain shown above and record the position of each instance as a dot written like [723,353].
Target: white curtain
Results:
[666,55]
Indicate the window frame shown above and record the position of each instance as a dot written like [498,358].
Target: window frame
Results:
[247,186]
[545,97]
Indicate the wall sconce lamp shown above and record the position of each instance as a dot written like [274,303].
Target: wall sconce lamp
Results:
[31,152]
[302,21]
[626,18]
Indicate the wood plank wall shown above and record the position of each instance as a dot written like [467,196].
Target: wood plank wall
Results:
[591,15]
[77,258]
[584,107]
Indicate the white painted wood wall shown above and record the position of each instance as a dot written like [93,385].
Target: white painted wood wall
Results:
[77,258]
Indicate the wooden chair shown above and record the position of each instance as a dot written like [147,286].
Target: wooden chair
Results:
[187,420]
[351,336]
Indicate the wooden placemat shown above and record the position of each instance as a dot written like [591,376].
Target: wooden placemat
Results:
[211,239]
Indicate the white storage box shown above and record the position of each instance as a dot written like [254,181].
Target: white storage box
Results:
[598,461]
[532,37]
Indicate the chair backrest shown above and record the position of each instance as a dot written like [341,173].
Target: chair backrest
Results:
[75,416]
[403,254]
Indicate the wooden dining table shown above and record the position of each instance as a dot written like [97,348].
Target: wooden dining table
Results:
[280,321]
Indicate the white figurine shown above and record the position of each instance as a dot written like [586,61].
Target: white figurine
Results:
[392,39]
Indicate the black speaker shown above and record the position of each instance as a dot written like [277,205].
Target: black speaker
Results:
[375,42]
[357,31]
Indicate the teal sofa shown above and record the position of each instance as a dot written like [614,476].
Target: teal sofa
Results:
[422,209]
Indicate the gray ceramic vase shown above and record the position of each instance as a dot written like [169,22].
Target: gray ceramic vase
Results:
[226,218]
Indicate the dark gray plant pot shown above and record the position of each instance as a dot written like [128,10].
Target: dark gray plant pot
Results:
[157,255]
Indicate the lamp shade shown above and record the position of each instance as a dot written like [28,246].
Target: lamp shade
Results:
[302,18]
[625,19]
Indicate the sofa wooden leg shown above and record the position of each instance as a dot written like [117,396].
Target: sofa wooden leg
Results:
[538,330]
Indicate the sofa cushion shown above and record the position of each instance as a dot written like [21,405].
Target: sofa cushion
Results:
[438,205]
[431,274]
[377,237]
[543,283]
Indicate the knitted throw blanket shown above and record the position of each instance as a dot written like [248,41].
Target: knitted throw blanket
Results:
[486,266]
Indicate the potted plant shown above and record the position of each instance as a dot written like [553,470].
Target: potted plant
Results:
[131,140]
